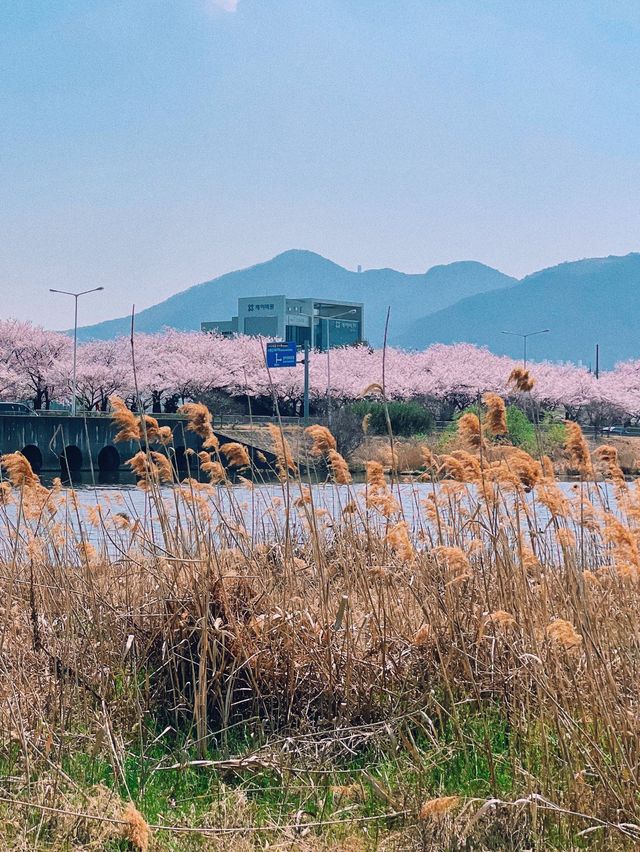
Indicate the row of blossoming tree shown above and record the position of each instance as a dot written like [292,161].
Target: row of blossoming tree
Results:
[174,367]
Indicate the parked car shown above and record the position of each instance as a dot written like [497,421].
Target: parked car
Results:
[15,408]
[615,430]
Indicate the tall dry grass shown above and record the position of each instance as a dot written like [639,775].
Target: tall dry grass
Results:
[486,591]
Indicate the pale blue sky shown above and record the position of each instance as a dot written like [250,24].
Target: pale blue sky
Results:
[147,145]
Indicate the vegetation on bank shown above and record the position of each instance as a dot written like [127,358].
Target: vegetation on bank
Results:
[450,664]
[404,419]
[545,435]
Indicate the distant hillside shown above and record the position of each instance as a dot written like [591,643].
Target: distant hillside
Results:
[304,273]
[582,303]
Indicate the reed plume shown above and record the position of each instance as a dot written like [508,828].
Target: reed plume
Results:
[550,495]
[142,467]
[285,463]
[577,448]
[623,540]
[400,540]
[525,467]
[455,562]
[376,480]
[200,422]
[323,440]
[471,468]
[136,829]
[469,430]
[163,467]
[563,633]
[547,468]
[501,618]
[521,379]
[453,467]
[304,499]
[126,421]
[150,428]
[428,459]
[165,435]
[339,468]
[236,454]
[18,470]
[213,469]
[608,455]
[435,809]
[566,537]
[496,414]
[422,635]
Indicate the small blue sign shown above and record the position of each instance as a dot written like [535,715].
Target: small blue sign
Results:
[282,354]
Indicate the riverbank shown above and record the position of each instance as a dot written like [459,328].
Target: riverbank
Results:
[410,457]
[396,667]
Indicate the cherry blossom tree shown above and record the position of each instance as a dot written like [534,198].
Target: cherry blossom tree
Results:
[33,355]
[173,367]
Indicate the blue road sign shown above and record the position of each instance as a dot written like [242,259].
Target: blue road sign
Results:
[282,354]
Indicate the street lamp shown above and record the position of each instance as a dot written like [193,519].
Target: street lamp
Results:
[524,341]
[76,296]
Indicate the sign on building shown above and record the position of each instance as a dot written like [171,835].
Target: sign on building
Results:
[282,354]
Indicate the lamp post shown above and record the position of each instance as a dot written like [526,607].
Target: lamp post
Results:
[76,296]
[524,341]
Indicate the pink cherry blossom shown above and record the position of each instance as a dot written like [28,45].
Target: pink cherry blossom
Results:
[36,364]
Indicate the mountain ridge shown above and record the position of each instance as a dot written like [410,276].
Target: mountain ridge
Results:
[583,302]
[299,273]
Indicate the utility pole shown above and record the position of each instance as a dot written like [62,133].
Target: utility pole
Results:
[305,407]
[597,360]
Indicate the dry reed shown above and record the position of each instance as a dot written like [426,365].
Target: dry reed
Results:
[521,379]
[236,454]
[496,414]
[444,616]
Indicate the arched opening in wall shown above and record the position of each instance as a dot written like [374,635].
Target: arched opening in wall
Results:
[33,456]
[109,459]
[70,461]
[181,460]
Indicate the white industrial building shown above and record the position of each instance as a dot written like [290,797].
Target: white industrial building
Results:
[323,323]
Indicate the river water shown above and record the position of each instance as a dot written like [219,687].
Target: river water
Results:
[117,517]
[266,499]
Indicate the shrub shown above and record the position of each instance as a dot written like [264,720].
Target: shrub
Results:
[520,430]
[407,418]
[346,425]
[545,438]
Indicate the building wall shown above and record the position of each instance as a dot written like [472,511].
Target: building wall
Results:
[262,315]
[296,319]
[224,327]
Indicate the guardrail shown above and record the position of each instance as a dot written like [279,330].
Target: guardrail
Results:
[217,419]
[222,420]
[612,432]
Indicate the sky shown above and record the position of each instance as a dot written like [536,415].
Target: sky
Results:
[147,146]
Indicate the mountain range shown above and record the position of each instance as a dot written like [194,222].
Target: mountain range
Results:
[582,303]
